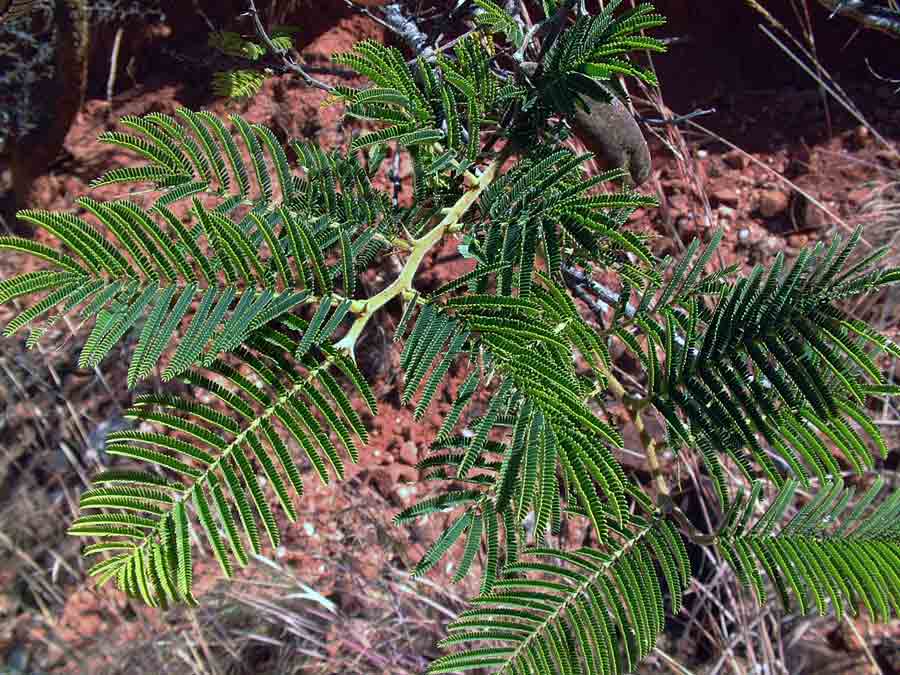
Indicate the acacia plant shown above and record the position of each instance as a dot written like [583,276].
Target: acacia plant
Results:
[240,279]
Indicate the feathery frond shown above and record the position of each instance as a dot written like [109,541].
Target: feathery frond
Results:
[778,361]
[830,553]
[145,269]
[555,438]
[215,458]
[588,58]
[588,610]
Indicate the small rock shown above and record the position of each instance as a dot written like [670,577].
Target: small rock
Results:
[726,212]
[736,159]
[679,203]
[387,479]
[744,235]
[814,217]
[861,135]
[406,493]
[771,245]
[702,154]
[725,195]
[409,453]
[797,240]
[889,157]
[773,203]
[859,196]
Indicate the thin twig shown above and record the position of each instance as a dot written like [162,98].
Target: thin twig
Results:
[366,12]
[678,119]
[114,64]
[840,221]
[878,76]
[406,28]
[867,13]
[394,175]
[403,284]
[865,645]
[692,533]
[576,279]
[672,663]
[830,86]
[633,406]
[287,61]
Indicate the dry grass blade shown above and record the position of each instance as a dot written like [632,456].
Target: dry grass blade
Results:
[780,177]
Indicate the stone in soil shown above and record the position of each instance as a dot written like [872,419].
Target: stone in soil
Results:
[773,203]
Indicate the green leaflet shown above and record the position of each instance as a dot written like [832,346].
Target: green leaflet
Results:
[215,457]
[822,551]
[531,615]
[780,329]
[144,270]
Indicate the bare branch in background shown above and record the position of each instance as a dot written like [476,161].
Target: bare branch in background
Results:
[895,82]
[287,61]
[365,11]
[406,28]
[677,119]
[869,14]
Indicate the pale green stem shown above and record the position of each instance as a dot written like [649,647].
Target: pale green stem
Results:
[419,248]
[634,408]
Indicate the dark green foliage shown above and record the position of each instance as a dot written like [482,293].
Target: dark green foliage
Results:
[243,82]
[431,108]
[588,58]
[152,265]
[546,201]
[772,360]
[539,404]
